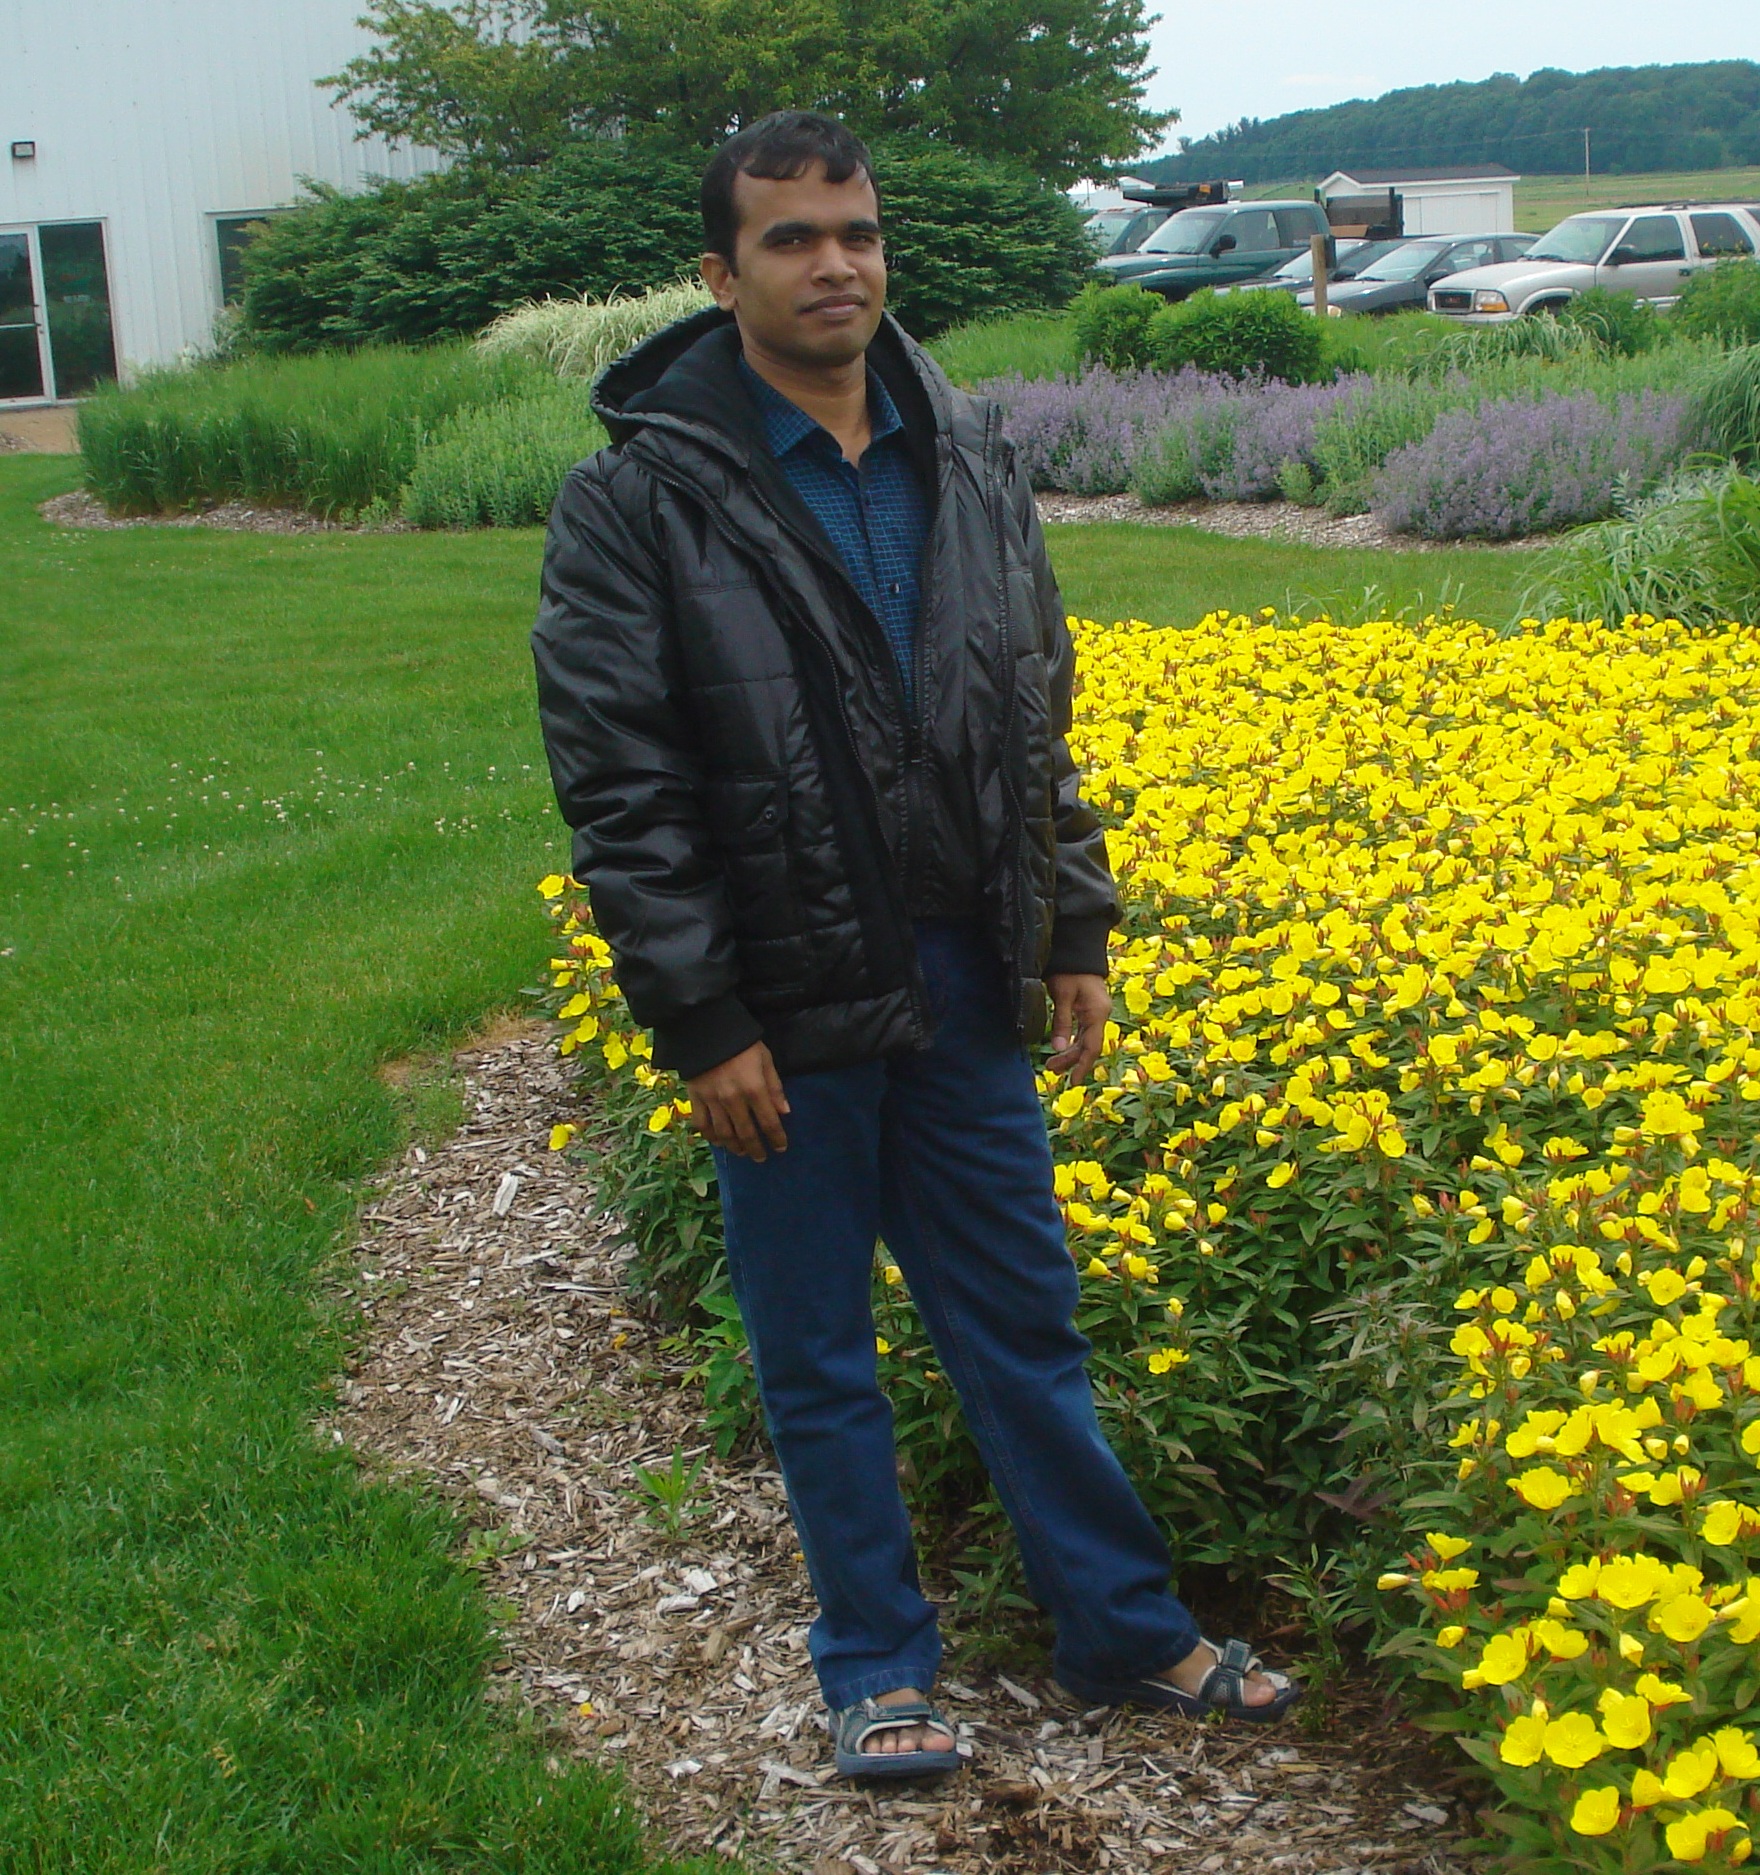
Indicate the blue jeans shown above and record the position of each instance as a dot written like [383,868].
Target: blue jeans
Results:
[944,1155]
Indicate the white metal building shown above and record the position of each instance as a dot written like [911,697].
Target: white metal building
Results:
[1480,200]
[137,139]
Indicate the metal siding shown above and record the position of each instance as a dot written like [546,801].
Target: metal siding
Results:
[154,118]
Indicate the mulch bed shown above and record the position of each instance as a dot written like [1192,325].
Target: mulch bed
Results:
[502,1357]
[1241,520]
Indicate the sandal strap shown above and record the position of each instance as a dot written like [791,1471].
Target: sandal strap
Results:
[1225,1685]
[858,1723]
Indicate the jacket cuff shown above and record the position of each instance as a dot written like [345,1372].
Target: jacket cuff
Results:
[704,1036]
[1078,947]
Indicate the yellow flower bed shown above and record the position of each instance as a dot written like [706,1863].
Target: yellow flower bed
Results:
[1440,973]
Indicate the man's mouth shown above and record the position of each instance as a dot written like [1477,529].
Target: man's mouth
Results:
[838,303]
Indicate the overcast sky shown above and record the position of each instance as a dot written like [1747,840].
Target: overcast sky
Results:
[1259,58]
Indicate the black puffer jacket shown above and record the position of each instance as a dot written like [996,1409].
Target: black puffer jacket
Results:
[753,805]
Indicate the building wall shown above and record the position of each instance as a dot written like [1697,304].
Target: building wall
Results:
[155,116]
[1488,208]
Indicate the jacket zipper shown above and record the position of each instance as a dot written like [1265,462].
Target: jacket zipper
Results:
[1010,782]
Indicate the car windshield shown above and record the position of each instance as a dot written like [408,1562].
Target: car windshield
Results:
[1583,239]
[1188,232]
[1111,221]
[1301,268]
[1404,263]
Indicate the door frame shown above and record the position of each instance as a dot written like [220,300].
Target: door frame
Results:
[46,362]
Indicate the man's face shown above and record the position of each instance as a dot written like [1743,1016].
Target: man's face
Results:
[811,278]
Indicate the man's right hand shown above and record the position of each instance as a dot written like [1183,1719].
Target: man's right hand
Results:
[739,1105]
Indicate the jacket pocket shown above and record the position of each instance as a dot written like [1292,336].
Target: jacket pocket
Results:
[747,810]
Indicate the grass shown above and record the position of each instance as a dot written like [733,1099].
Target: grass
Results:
[1037,345]
[270,813]
[336,432]
[270,810]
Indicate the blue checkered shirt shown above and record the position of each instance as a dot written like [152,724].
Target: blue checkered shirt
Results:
[873,511]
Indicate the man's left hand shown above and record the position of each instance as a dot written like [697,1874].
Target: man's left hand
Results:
[1081,1007]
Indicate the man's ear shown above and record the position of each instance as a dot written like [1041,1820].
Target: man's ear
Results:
[718,277]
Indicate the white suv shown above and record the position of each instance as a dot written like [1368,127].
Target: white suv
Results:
[1646,251]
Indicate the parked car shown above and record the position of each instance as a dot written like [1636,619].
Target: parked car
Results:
[1649,252]
[1217,245]
[1404,274]
[1293,275]
[1123,230]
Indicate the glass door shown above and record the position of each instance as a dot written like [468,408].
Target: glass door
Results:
[23,360]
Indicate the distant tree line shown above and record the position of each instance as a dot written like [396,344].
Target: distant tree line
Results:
[1640,118]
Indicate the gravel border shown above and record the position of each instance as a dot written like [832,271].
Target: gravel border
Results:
[1258,520]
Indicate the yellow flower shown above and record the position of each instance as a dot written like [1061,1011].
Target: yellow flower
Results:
[552,885]
[1682,1618]
[1691,1769]
[1560,1642]
[1447,1547]
[1573,1740]
[1735,1752]
[1542,1487]
[1597,1811]
[1691,1836]
[1280,1174]
[1450,1636]
[1524,1740]
[1661,1692]
[561,1135]
[1393,1579]
[1504,1657]
[1625,1718]
[661,1118]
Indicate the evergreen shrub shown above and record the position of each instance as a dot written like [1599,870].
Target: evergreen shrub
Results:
[1237,335]
[1722,303]
[1112,325]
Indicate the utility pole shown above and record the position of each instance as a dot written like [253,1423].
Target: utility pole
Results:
[1585,158]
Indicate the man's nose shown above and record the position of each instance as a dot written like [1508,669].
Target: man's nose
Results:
[832,262]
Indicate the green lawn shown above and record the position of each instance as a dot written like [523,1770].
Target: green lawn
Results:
[270,813]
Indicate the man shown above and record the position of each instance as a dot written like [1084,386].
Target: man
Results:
[805,681]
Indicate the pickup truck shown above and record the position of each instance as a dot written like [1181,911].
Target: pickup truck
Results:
[1217,245]
[1647,251]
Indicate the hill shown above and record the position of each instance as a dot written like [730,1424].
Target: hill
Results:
[1640,118]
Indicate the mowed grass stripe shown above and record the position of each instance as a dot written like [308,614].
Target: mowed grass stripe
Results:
[220,1650]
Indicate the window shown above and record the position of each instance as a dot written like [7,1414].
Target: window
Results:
[1254,231]
[1188,232]
[232,235]
[1295,227]
[1718,235]
[1406,262]
[1651,237]
[1583,239]
[1465,254]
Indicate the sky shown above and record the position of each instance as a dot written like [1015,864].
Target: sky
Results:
[1260,58]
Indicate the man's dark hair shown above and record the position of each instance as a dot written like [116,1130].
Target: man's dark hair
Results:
[780,147]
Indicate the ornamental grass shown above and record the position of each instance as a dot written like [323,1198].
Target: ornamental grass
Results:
[1415,1203]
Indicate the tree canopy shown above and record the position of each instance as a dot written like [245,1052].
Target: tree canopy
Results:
[1054,85]
[1650,117]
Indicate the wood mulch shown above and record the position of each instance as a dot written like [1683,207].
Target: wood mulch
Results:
[501,1357]
[80,509]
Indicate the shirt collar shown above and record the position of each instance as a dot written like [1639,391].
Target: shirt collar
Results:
[787,426]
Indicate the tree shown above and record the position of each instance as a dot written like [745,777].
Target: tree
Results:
[1055,85]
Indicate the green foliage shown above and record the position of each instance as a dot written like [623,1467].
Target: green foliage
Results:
[1645,118]
[1034,345]
[1354,440]
[1238,335]
[1112,324]
[1620,323]
[501,465]
[1726,406]
[668,1497]
[1691,552]
[226,1647]
[512,81]
[407,262]
[1722,303]
[969,239]
[332,434]
[578,338]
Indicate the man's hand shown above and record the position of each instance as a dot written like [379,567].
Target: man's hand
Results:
[739,1105]
[1081,1007]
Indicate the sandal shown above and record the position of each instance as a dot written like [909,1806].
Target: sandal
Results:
[855,1725]
[1223,1688]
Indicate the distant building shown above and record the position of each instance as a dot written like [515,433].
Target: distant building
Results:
[1474,200]
[138,141]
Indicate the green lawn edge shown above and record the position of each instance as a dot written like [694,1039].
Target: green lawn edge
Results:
[222,1649]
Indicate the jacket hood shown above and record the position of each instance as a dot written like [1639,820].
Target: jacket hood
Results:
[684,378]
